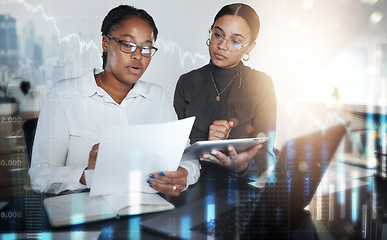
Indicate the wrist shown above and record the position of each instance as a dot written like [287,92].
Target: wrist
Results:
[244,170]
[83,178]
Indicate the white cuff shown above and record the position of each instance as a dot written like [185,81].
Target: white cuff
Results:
[192,167]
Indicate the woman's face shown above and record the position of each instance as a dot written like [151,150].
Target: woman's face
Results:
[230,27]
[128,67]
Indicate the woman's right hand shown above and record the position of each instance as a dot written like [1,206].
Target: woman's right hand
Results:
[91,163]
[219,130]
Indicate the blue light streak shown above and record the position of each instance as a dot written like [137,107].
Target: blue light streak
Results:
[134,228]
[185,225]
[355,204]
[8,236]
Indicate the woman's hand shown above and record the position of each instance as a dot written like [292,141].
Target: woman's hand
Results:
[236,162]
[172,184]
[219,130]
[91,163]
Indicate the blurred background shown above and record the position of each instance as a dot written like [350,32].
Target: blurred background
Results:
[327,58]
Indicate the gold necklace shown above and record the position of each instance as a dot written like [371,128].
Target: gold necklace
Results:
[216,88]
[104,88]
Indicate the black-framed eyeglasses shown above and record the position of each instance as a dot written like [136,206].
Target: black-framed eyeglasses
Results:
[232,44]
[130,47]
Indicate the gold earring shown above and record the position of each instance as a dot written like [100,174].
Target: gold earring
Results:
[248,57]
[208,42]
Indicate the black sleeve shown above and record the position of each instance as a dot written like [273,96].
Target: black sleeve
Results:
[179,101]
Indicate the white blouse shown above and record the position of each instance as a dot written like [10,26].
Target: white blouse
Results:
[71,121]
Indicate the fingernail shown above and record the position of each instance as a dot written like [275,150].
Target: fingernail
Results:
[152,176]
[162,174]
[151,186]
[229,148]
[149,181]
[205,155]
[213,152]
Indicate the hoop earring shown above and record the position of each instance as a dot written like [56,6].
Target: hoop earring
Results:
[208,42]
[248,57]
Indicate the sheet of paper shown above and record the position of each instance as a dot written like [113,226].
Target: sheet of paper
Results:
[338,170]
[89,177]
[340,176]
[121,200]
[328,186]
[128,154]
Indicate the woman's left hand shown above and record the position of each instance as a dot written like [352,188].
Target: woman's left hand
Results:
[236,162]
[172,184]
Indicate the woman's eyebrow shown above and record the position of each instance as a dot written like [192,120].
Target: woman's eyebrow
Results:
[234,34]
[238,35]
[219,28]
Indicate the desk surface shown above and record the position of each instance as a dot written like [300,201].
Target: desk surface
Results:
[352,213]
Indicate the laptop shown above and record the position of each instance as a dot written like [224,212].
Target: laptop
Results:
[275,208]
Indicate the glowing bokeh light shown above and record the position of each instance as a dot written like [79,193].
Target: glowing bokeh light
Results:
[376,17]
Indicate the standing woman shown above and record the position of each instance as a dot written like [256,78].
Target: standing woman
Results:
[76,110]
[229,99]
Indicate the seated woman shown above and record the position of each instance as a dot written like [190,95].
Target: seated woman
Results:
[76,110]
[229,99]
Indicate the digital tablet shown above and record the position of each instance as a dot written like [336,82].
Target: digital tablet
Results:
[197,149]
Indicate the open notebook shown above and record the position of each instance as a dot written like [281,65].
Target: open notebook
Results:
[78,208]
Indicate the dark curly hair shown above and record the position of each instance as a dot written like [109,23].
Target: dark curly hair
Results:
[244,11]
[119,14]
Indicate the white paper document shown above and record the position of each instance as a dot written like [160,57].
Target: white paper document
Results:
[128,154]
[340,176]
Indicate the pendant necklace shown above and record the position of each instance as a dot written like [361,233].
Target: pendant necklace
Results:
[216,88]
[103,87]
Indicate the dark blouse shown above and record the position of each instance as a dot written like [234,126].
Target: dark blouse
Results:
[249,101]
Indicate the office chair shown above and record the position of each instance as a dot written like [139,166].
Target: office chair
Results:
[29,128]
